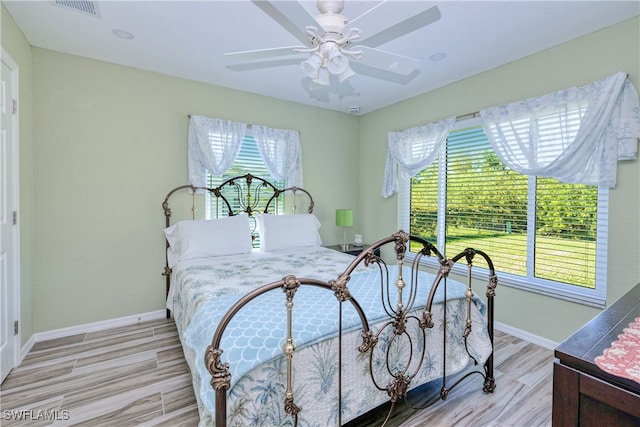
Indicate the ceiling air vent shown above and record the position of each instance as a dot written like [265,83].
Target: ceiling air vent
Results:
[83,6]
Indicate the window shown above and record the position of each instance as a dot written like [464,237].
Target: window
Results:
[248,161]
[541,234]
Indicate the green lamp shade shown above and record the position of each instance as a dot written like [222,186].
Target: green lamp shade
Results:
[344,217]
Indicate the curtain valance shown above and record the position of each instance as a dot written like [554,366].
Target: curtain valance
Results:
[411,150]
[575,135]
[213,146]
[281,152]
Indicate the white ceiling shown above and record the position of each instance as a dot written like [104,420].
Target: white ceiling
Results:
[188,39]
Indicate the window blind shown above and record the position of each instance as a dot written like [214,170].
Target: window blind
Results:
[247,161]
[531,227]
[486,202]
[566,231]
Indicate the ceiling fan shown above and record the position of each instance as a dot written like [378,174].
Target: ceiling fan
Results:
[329,38]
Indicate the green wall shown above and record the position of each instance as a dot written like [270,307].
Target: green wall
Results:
[110,143]
[577,62]
[101,144]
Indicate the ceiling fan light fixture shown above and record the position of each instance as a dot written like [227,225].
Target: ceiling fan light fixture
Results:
[312,65]
[337,63]
[323,77]
[346,75]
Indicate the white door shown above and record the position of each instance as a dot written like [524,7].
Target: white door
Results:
[9,271]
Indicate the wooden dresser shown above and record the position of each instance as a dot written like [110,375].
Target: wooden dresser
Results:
[584,394]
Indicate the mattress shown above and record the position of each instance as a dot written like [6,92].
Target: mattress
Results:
[203,290]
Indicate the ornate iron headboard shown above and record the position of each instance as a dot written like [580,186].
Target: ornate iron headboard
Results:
[248,194]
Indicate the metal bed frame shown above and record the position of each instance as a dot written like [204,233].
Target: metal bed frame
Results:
[398,382]
[247,194]
[253,195]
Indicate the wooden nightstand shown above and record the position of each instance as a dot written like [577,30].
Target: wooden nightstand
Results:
[352,250]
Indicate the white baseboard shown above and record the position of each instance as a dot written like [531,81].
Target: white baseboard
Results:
[161,314]
[90,327]
[527,336]
[26,348]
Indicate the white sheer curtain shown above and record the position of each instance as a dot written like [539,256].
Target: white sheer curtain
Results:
[213,146]
[412,150]
[281,152]
[575,135]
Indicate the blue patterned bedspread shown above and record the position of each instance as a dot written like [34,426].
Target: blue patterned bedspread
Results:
[255,336]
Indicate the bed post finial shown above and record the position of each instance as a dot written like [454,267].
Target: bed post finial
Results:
[339,287]
[166,208]
[220,376]
[401,238]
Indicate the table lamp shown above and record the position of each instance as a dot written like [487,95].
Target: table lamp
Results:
[344,219]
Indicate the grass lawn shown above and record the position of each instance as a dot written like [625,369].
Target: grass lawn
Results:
[563,260]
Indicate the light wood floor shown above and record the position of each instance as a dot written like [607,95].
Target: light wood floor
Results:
[137,375]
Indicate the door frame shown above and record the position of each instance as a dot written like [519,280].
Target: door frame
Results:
[15,203]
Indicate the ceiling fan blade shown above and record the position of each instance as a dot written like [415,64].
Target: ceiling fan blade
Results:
[390,20]
[291,15]
[377,73]
[387,61]
[259,54]
[261,65]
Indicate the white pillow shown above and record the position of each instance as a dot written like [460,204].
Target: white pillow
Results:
[206,238]
[288,231]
